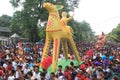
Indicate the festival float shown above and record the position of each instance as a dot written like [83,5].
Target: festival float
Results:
[60,33]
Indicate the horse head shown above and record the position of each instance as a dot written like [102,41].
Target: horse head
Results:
[51,7]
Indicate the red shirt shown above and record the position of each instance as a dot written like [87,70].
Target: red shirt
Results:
[81,77]
[67,74]
[9,67]
[2,73]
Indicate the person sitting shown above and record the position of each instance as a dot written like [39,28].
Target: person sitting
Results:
[64,20]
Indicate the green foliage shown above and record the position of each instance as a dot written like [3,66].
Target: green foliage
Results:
[115,34]
[25,21]
[16,26]
[15,3]
[83,31]
[42,33]
[5,21]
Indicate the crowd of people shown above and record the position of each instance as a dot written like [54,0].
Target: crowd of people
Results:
[101,64]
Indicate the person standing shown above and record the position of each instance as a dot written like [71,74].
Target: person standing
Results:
[52,76]
[36,73]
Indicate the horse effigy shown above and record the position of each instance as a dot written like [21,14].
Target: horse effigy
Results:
[101,41]
[58,33]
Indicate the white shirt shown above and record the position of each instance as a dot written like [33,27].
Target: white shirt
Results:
[37,76]
[14,64]
[11,78]
[16,74]
[47,76]
[60,77]
[25,71]
[5,65]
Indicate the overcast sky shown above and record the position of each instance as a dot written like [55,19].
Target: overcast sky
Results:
[102,15]
[6,7]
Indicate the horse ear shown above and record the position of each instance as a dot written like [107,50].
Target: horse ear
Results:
[58,7]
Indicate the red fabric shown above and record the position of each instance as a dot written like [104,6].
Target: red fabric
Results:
[67,74]
[9,67]
[2,73]
[81,77]
[46,62]
[89,63]
[90,53]
[2,55]
[83,66]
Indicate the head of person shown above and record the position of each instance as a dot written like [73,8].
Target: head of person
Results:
[67,68]
[29,74]
[36,69]
[60,68]
[42,75]
[64,14]
[71,63]
[19,67]
[52,75]
[81,71]
[115,77]
[94,77]
[45,70]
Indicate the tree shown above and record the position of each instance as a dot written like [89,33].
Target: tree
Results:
[5,21]
[16,26]
[115,34]
[33,12]
[83,31]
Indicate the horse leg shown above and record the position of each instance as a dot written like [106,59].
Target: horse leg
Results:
[73,46]
[46,48]
[56,46]
[65,49]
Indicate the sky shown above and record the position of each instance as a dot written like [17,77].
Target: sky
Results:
[102,15]
[6,8]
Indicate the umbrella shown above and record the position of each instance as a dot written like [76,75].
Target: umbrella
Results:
[65,63]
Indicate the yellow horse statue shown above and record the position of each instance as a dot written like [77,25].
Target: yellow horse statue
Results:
[56,32]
